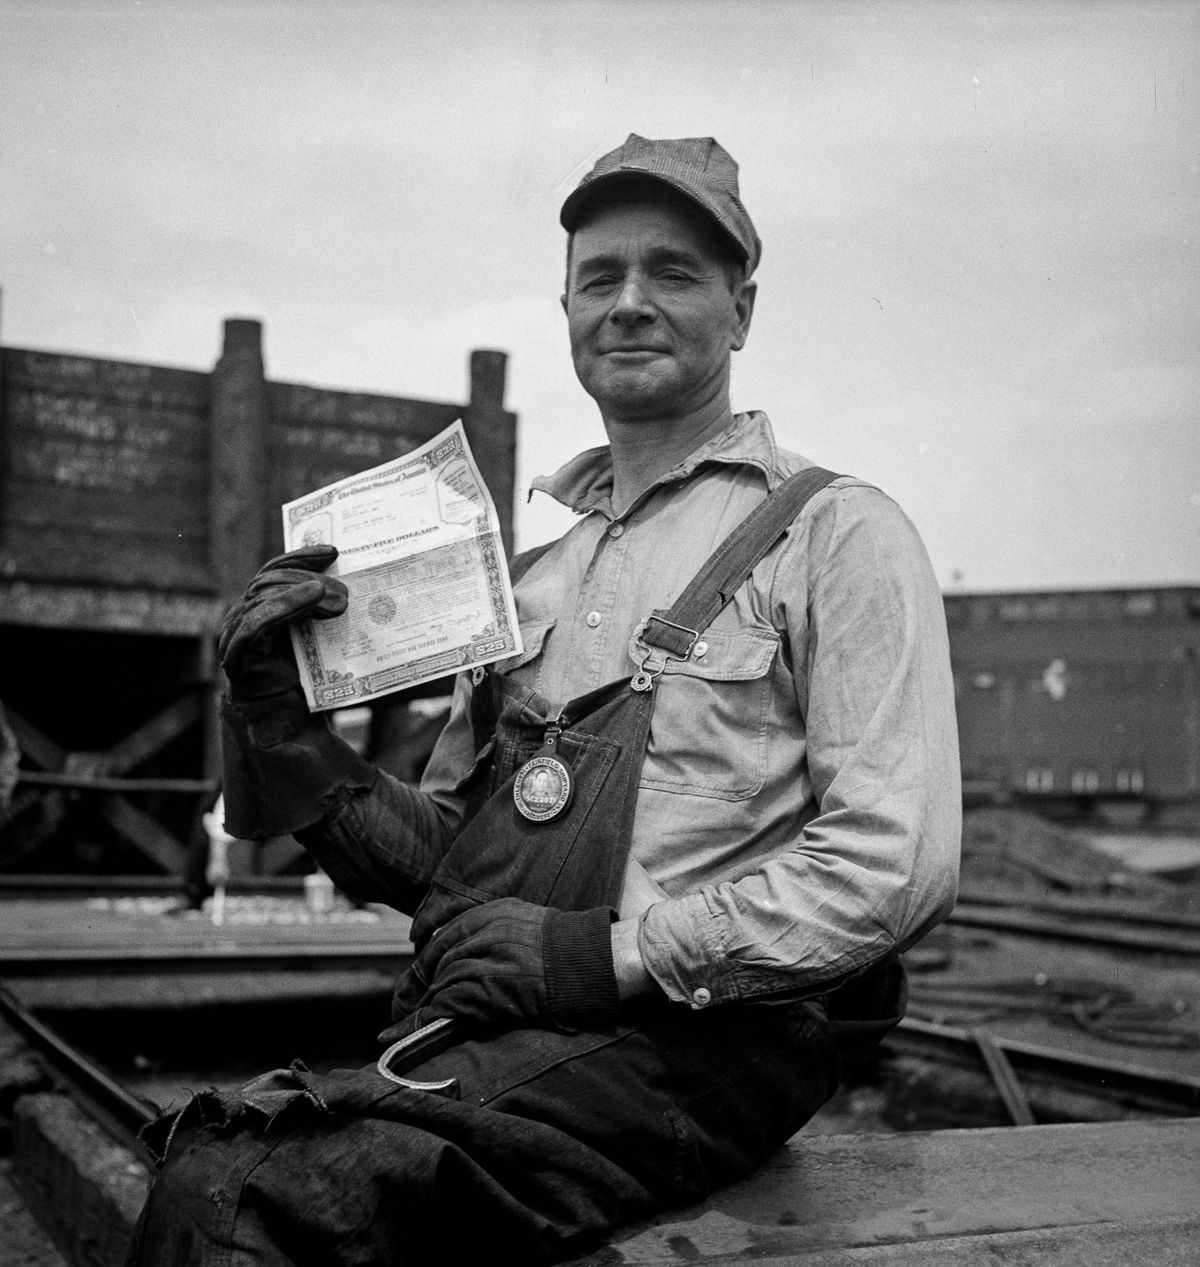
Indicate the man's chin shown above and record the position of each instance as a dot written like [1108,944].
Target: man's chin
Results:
[631,395]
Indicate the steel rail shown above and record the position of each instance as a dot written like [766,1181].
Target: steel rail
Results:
[1120,910]
[1106,1080]
[105,1099]
[1012,921]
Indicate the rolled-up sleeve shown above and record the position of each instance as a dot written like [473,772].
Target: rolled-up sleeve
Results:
[873,864]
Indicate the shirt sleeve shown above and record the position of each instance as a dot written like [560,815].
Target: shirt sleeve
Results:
[876,864]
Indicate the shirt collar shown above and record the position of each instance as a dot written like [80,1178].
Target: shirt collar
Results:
[585,482]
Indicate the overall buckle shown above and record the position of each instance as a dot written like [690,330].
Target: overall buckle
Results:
[671,646]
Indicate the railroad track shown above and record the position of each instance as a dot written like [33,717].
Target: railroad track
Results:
[962,1070]
[1126,1086]
[1064,1085]
[1092,923]
[76,1093]
[107,1101]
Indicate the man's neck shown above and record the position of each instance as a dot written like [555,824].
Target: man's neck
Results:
[643,450]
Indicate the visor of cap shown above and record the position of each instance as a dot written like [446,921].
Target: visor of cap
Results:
[680,165]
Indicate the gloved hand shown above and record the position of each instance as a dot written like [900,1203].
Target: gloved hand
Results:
[254,645]
[508,962]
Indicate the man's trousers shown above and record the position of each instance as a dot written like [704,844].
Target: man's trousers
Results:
[555,1139]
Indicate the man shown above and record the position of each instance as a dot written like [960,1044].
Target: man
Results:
[636,976]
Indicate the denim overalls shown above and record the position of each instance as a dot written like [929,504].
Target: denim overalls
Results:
[531,1144]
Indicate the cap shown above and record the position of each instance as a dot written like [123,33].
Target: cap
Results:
[696,166]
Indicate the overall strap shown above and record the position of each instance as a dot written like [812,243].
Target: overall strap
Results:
[675,631]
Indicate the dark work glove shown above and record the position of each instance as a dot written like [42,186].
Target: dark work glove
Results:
[254,645]
[507,963]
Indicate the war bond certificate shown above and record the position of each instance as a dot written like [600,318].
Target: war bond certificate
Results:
[419,549]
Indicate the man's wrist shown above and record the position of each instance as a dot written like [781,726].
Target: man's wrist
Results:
[633,980]
[581,987]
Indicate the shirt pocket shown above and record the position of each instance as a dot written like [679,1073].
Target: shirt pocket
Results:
[533,640]
[709,727]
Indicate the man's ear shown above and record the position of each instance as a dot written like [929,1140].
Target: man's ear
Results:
[743,306]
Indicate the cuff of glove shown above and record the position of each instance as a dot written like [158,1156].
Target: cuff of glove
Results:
[581,982]
[283,767]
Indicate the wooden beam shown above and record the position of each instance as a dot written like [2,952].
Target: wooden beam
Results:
[33,742]
[32,818]
[239,460]
[492,433]
[144,832]
[84,781]
[154,734]
[1045,1195]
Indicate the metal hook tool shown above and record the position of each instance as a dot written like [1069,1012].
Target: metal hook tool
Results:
[422,1044]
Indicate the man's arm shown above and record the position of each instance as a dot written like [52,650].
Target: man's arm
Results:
[877,865]
[286,772]
[633,977]
[384,841]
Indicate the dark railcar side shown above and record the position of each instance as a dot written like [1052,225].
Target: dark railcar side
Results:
[1084,695]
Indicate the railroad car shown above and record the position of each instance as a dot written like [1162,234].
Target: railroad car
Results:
[1079,698]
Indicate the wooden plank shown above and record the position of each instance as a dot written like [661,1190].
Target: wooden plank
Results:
[868,1196]
[23,1243]
[58,1150]
[104,783]
[1151,1242]
[47,604]
[47,938]
[169,479]
[106,472]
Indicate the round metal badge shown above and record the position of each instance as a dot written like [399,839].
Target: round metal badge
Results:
[542,789]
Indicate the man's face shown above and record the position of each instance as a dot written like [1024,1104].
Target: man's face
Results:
[653,310]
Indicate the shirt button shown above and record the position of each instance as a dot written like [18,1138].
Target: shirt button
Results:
[593,619]
[615,530]
[702,997]
[700,650]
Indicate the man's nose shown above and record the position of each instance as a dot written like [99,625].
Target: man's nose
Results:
[632,303]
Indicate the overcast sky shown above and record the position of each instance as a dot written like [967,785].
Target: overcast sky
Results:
[981,276]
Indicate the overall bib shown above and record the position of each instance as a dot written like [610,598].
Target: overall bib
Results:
[549,1137]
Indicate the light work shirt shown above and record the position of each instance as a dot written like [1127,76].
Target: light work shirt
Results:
[800,809]
[799,814]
